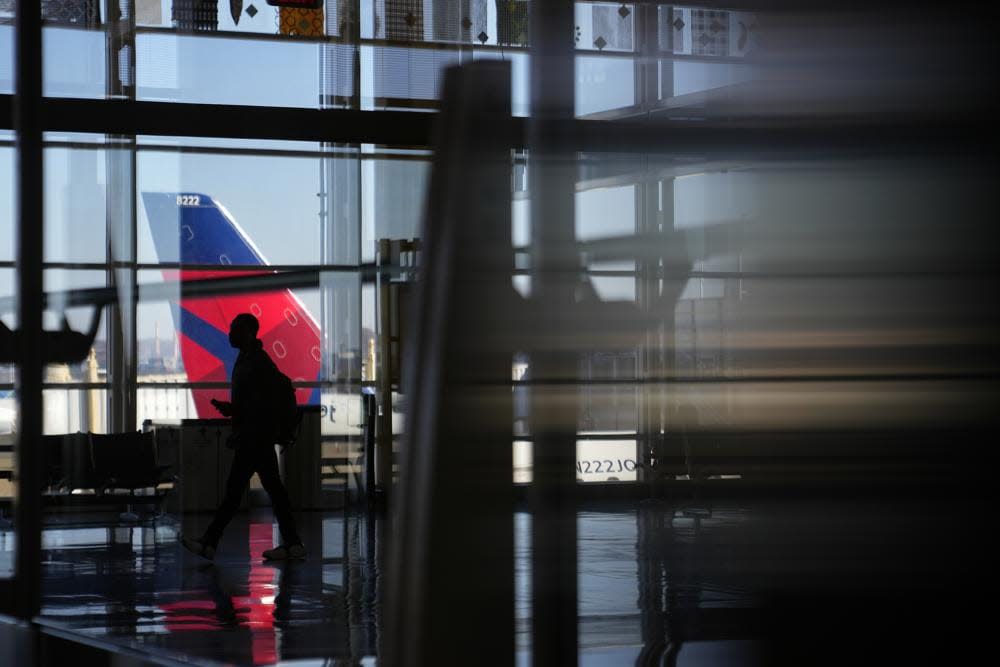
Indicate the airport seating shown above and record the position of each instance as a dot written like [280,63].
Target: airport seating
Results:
[119,469]
[127,461]
[66,462]
[113,469]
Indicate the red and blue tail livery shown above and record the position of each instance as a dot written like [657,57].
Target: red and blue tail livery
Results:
[194,230]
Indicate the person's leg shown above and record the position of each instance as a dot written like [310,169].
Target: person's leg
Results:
[270,479]
[239,474]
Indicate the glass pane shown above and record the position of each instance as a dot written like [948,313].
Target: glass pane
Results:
[399,188]
[348,356]
[7,201]
[74,60]
[74,410]
[160,363]
[223,70]
[699,31]
[251,191]
[76,204]
[71,409]
[694,77]
[604,83]
[605,26]
[6,53]
[605,212]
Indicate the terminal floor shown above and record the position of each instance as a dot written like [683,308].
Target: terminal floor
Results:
[772,581]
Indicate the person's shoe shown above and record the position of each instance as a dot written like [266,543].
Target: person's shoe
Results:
[283,552]
[198,548]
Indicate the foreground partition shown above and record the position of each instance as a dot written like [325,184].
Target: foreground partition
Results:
[452,550]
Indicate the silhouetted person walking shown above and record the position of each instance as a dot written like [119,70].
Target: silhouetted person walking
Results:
[254,434]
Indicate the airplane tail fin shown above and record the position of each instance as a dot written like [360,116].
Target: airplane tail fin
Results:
[194,230]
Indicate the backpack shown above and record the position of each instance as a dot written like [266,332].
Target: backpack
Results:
[287,417]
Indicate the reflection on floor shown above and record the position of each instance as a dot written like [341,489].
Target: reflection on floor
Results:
[869,580]
[134,585]
[709,583]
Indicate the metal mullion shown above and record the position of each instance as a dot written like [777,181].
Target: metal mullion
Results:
[27,104]
[587,51]
[646,199]
[444,46]
[274,152]
[79,27]
[647,293]
[302,384]
[341,174]
[75,266]
[262,269]
[418,105]
[121,221]
[601,435]
[183,385]
[778,139]
[348,126]
[653,381]
[168,291]
[242,152]
[647,194]
[374,42]
[554,570]
[69,386]
[241,36]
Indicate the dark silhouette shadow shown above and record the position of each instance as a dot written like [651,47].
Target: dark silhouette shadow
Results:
[255,431]
[58,347]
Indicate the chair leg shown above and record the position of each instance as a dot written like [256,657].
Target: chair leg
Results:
[158,512]
[128,514]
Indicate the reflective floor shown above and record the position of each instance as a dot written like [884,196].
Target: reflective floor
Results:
[788,582]
[762,581]
[135,585]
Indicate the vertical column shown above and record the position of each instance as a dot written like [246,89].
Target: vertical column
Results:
[28,179]
[340,290]
[453,545]
[647,56]
[340,211]
[647,268]
[652,522]
[383,443]
[667,47]
[656,282]
[121,223]
[647,291]
[669,449]
[555,271]
[120,165]
[670,285]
